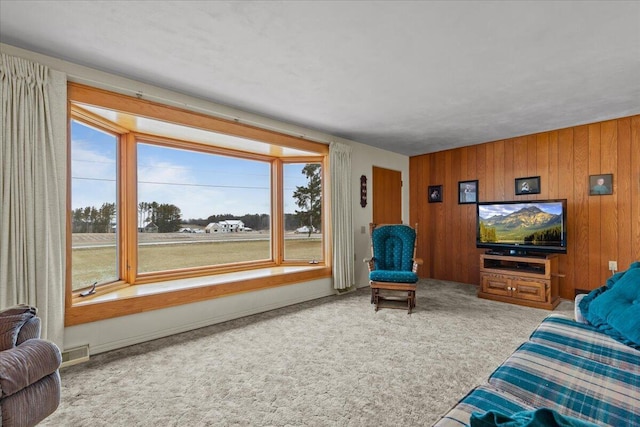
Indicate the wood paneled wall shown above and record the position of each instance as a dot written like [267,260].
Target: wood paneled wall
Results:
[600,228]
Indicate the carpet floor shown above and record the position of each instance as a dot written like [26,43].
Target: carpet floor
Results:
[328,362]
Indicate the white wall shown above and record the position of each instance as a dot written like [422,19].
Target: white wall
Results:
[363,160]
[127,330]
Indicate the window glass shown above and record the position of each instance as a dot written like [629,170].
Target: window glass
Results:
[94,206]
[198,209]
[303,212]
[158,194]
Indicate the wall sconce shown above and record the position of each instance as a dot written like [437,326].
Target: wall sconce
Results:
[363,191]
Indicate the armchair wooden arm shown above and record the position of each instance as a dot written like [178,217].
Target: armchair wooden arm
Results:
[370,263]
[416,263]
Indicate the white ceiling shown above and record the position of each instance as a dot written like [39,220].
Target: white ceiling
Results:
[409,76]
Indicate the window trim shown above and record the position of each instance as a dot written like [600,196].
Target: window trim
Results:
[86,311]
[82,94]
[81,310]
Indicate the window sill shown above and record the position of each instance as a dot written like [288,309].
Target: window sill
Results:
[152,296]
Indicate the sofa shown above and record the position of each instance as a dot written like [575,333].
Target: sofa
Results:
[29,378]
[569,372]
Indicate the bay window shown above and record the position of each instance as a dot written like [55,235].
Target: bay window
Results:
[159,194]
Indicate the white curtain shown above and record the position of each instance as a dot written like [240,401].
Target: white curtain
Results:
[342,216]
[33,190]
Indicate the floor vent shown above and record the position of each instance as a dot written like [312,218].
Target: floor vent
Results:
[73,356]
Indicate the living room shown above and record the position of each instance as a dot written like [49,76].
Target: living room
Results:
[601,228]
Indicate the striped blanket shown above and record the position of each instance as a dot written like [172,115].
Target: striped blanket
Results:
[565,366]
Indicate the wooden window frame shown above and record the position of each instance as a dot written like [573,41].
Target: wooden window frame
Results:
[95,307]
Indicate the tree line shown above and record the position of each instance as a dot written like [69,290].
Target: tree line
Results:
[487,234]
[167,218]
[254,221]
[93,220]
[553,234]
[160,217]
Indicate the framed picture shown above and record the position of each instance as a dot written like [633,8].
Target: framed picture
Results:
[435,194]
[467,192]
[600,185]
[529,185]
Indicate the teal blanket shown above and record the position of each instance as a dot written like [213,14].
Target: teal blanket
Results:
[542,417]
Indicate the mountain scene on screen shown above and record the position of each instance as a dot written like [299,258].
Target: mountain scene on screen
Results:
[530,225]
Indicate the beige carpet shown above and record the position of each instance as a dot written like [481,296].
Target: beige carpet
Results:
[329,362]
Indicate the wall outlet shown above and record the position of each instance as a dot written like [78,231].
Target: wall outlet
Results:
[613,266]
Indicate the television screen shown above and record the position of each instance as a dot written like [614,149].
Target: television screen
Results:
[525,226]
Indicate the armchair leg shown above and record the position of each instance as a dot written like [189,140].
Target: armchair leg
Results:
[411,301]
[409,298]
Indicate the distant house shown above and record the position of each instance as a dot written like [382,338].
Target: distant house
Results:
[226,226]
[212,227]
[150,228]
[234,225]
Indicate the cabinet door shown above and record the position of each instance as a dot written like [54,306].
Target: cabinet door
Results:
[496,284]
[529,289]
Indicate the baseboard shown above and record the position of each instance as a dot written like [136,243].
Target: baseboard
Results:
[346,291]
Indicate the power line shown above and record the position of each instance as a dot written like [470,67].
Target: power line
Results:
[203,185]
[176,183]
[182,168]
[93,179]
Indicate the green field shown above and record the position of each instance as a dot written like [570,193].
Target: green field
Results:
[93,264]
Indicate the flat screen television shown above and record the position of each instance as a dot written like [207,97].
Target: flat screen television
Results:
[522,227]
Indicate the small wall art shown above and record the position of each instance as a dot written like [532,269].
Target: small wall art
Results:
[467,192]
[363,191]
[435,193]
[528,185]
[600,185]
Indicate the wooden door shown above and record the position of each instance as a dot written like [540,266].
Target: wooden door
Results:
[387,196]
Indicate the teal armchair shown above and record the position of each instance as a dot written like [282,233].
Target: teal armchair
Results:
[393,267]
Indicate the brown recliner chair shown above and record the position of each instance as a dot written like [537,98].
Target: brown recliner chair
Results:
[29,378]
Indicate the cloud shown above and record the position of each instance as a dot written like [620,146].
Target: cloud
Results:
[165,182]
[93,176]
[199,184]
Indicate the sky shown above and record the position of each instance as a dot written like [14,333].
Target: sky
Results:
[487,211]
[199,184]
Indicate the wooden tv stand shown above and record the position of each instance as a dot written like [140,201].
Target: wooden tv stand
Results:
[525,280]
